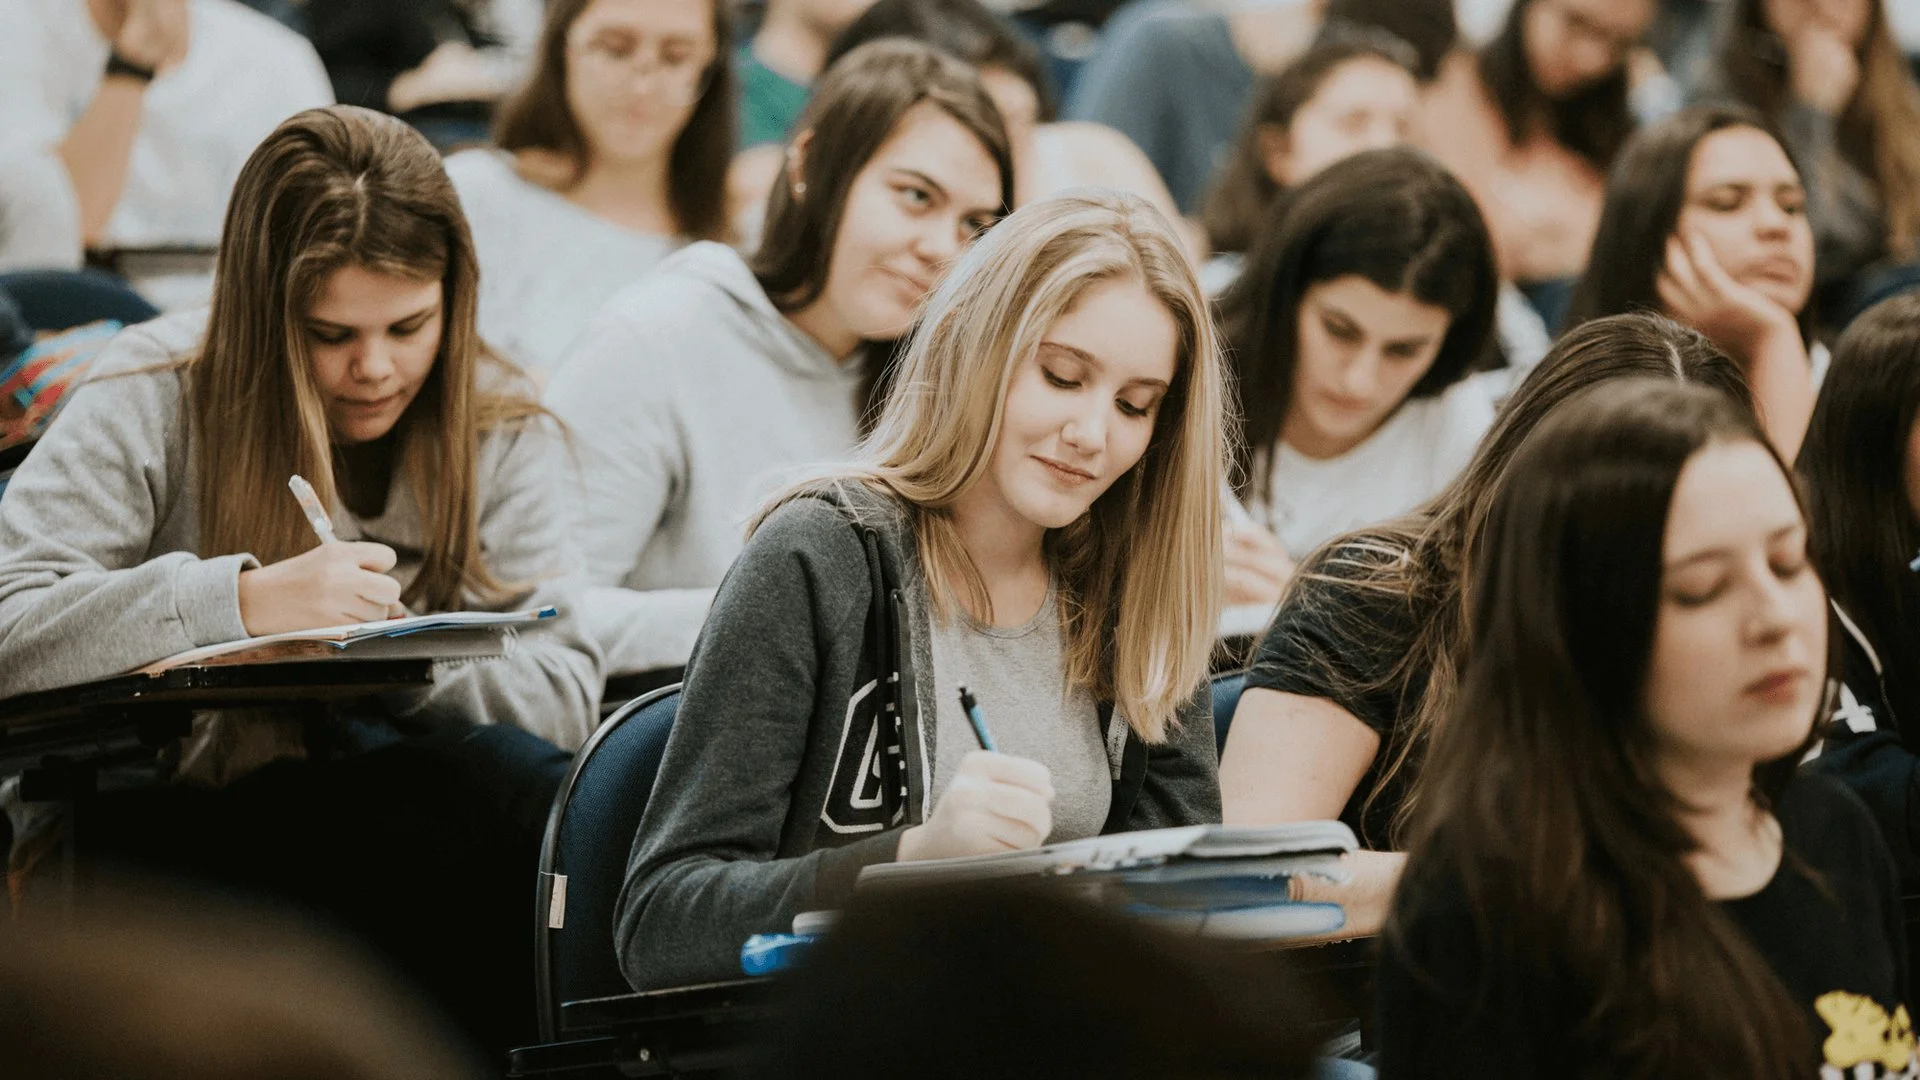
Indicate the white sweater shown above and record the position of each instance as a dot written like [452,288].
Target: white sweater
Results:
[546,265]
[690,399]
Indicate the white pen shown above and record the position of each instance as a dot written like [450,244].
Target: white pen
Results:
[310,505]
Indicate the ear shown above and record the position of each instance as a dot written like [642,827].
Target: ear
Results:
[797,162]
[1276,153]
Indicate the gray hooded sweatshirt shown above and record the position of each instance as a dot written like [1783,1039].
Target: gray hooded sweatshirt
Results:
[690,399]
[790,767]
[100,572]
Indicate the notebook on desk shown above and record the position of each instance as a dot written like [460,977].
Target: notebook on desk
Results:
[453,635]
[1215,880]
[1188,845]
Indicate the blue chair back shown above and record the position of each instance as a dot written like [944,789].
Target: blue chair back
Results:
[1226,698]
[583,860]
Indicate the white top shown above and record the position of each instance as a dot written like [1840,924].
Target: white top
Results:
[1416,453]
[39,219]
[546,265]
[244,73]
[689,400]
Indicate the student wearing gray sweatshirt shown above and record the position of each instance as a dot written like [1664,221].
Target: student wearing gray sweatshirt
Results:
[154,517]
[1055,546]
[700,389]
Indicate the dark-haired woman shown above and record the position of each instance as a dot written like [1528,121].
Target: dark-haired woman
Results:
[1616,872]
[1706,220]
[1361,660]
[1351,93]
[1530,124]
[696,385]
[1861,465]
[612,154]
[1353,329]
[1829,73]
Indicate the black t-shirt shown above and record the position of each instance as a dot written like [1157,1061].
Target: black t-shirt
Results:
[1336,637]
[1829,924]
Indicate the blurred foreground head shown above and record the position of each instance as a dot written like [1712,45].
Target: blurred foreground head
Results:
[153,985]
[982,980]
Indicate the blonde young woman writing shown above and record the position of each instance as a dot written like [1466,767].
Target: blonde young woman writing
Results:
[1039,506]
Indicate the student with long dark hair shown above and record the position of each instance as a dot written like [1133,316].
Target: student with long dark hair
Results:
[1531,122]
[1831,76]
[613,153]
[1705,220]
[1352,91]
[1617,871]
[697,384]
[1861,465]
[154,517]
[1362,660]
[1037,517]
[1175,77]
[1352,331]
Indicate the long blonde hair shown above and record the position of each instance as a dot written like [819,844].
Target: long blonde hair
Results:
[1139,574]
[329,188]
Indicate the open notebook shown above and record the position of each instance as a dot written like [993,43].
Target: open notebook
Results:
[1214,880]
[451,635]
[1129,851]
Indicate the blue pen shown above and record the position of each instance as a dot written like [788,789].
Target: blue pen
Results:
[978,720]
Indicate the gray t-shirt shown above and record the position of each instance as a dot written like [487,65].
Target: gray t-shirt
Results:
[1018,675]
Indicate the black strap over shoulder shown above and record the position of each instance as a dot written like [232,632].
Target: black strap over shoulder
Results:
[884,621]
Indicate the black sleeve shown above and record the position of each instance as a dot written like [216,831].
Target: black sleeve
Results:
[1444,1010]
[1880,769]
[1852,827]
[1338,638]
[1182,785]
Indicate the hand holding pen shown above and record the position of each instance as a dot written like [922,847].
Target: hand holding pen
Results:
[334,584]
[1257,567]
[996,802]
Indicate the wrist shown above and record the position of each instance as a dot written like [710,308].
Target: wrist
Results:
[127,69]
[909,848]
[1773,332]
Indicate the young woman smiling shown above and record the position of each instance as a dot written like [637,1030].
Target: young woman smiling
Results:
[697,384]
[1040,518]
